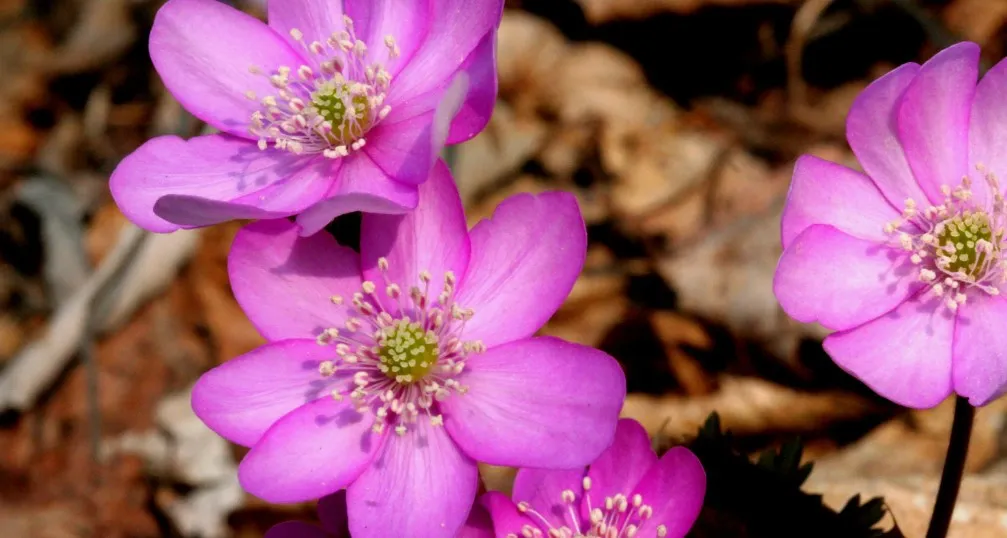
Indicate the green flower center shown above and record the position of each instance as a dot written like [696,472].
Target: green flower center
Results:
[407,352]
[348,122]
[965,243]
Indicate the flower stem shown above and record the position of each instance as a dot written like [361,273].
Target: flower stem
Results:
[954,467]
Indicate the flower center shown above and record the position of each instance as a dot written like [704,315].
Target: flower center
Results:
[956,246]
[398,358]
[619,516]
[964,242]
[328,111]
[407,351]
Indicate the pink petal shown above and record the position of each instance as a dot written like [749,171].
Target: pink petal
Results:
[538,402]
[311,452]
[332,513]
[841,281]
[407,147]
[525,260]
[296,529]
[475,112]
[457,28]
[507,521]
[623,464]
[980,349]
[873,135]
[904,355]
[543,490]
[285,282]
[420,486]
[478,525]
[433,237]
[245,396]
[933,118]
[203,50]
[317,20]
[227,177]
[827,193]
[360,186]
[406,22]
[674,487]
[988,131]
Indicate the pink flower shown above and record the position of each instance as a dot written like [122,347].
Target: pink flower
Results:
[335,106]
[332,513]
[430,362]
[626,493]
[906,261]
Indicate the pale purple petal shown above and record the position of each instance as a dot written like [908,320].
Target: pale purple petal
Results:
[317,20]
[988,131]
[823,192]
[621,466]
[214,168]
[506,518]
[360,186]
[933,118]
[904,355]
[433,237]
[311,452]
[243,397]
[525,260]
[285,282]
[332,513]
[840,281]
[674,487]
[407,147]
[296,529]
[529,403]
[457,28]
[980,349]
[872,133]
[405,22]
[481,70]
[543,490]
[478,525]
[203,50]
[421,485]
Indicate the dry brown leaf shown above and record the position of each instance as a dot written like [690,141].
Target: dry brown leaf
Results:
[600,11]
[976,20]
[506,143]
[747,406]
[674,331]
[981,510]
[530,50]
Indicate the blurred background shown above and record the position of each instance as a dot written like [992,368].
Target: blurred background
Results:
[675,122]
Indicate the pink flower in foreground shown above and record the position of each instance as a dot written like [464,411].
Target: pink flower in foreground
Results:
[906,261]
[332,513]
[430,362]
[626,493]
[335,106]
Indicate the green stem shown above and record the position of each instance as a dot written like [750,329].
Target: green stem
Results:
[954,467]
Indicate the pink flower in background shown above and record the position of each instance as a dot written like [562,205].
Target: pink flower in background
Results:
[335,106]
[332,513]
[390,373]
[906,260]
[626,493]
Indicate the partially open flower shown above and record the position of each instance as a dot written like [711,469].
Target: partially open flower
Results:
[335,106]
[626,493]
[907,260]
[392,372]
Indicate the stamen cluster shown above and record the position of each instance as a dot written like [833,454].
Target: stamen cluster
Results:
[956,245]
[619,516]
[402,359]
[328,111]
